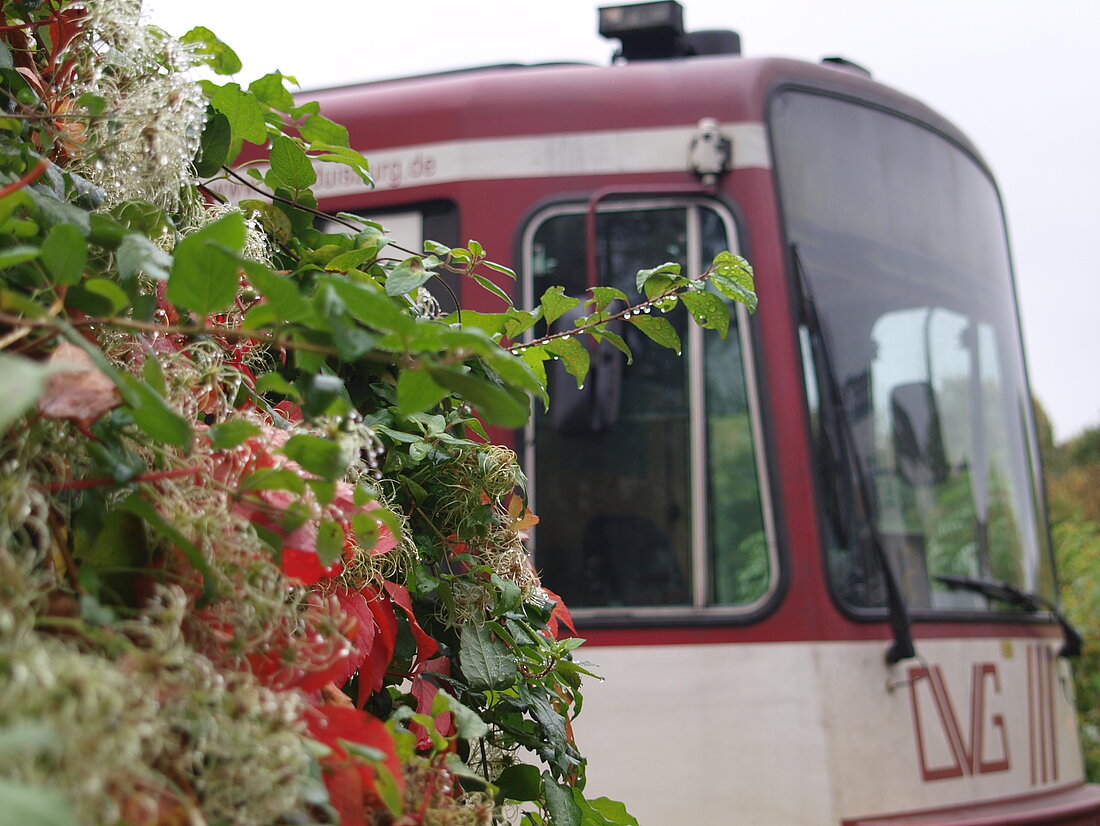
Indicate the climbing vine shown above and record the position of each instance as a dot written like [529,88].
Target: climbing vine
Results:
[259,561]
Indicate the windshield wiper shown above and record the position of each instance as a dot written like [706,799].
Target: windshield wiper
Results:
[1010,594]
[844,463]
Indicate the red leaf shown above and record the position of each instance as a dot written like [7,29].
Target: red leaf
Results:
[559,614]
[381,653]
[290,410]
[425,645]
[355,606]
[331,724]
[64,27]
[345,793]
[425,691]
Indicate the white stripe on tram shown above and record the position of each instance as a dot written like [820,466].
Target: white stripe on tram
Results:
[606,152]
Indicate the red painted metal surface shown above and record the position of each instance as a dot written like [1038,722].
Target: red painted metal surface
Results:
[1075,806]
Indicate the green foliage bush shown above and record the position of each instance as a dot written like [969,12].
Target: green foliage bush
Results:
[258,562]
[1073,496]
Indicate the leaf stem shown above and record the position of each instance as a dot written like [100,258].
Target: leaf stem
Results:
[104,481]
[27,179]
[293,204]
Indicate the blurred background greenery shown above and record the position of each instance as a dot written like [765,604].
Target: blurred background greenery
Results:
[1072,472]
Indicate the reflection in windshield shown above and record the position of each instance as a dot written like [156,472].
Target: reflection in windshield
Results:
[901,239]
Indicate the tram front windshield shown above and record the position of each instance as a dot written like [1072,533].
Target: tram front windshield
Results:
[913,361]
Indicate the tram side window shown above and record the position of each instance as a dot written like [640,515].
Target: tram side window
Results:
[641,502]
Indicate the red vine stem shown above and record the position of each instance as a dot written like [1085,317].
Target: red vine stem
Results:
[18,27]
[27,179]
[81,484]
[428,792]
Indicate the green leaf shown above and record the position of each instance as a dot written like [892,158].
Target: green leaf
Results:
[289,165]
[271,90]
[345,156]
[353,259]
[555,303]
[232,433]
[559,801]
[276,383]
[732,277]
[270,478]
[274,221]
[215,54]
[573,355]
[657,329]
[280,291]
[666,269]
[486,662]
[503,270]
[204,274]
[153,374]
[30,805]
[57,211]
[406,277]
[325,395]
[151,412]
[489,286]
[19,254]
[603,811]
[319,129]
[243,110]
[605,295]
[110,291]
[494,403]
[468,723]
[388,790]
[65,253]
[324,491]
[137,254]
[92,104]
[105,230]
[417,391]
[659,285]
[615,340]
[317,455]
[520,782]
[330,541]
[709,311]
[21,383]
[217,138]
[510,594]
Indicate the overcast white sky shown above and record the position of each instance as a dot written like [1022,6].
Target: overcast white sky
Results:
[1020,77]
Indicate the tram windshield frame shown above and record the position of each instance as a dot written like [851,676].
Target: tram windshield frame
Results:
[921,420]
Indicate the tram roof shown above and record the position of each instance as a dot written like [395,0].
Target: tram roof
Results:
[513,99]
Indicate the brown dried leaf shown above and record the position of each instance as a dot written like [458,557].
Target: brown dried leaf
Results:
[78,390]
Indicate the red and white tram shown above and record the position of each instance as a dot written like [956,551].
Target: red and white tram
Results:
[811,560]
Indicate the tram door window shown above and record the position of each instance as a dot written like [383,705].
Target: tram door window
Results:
[647,481]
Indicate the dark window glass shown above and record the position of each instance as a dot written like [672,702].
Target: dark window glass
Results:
[641,502]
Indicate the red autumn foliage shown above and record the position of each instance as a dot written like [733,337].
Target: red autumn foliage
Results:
[425,691]
[559,615]
[351,780]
